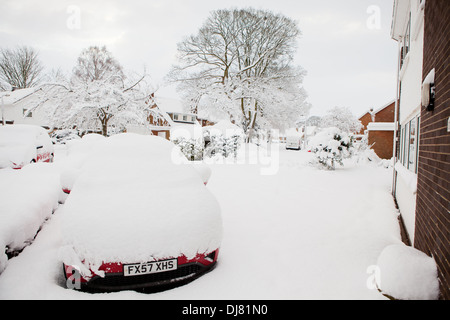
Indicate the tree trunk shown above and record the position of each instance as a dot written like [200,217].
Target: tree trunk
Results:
[105,129]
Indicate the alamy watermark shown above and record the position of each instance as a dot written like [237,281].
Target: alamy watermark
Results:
[228,148]
[73,21]
[374,280]
[73,280]
[374,20]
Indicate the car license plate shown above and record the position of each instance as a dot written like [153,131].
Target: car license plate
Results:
[138,269]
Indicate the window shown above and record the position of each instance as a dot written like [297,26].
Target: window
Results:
[405,149]
[184,118]
[175,117]
[27,114]
[402,143]
[412,146]
[406,41]
[409,144]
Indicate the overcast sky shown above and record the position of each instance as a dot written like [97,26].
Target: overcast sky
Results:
[345,45]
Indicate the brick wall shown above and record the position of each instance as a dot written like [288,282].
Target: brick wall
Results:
[387,114]
[365,120]
[382,142]
[432,231]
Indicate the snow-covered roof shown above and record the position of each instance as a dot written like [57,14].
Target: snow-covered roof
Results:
[11,97]
[170,105]
[380,126]
[375,111]
[293,132]
[399,18]
[310,130]
[186,130]
[383,107]
[224,127]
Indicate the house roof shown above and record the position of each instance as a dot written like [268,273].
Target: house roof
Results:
[171,105]
[375,111]
[381,126]
[11,97]
[399,18]
[383,107]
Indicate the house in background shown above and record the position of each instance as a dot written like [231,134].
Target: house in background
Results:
[167,115]
[378,126]
[422,171]
[15,108]
[181,123]
[175,109]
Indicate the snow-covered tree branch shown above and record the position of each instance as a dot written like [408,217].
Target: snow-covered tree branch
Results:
[341,118]
[97,96]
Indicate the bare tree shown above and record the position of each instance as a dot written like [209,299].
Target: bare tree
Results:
[95,63]
[245,57]
[20,68]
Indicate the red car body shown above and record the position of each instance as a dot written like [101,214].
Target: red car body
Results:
[114,278]
[24,144]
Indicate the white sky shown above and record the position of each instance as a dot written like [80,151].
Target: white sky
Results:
[348,63]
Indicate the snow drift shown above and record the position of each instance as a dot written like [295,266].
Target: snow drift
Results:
[32,195]
[407,274]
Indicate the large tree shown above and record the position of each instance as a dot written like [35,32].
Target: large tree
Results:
[341,118]
[98,95]
[19,68]
[240,63]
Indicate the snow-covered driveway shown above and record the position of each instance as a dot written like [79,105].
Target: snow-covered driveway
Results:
[302,233]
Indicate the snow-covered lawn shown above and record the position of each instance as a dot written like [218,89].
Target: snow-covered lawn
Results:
[302,233]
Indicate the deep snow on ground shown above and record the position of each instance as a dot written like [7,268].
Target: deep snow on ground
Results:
[302,233]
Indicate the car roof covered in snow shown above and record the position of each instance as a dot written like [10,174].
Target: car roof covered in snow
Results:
[18,143]
[134,201]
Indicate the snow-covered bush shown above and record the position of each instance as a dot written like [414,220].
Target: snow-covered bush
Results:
[223,139]
[63,135]
[332,146]
[366,155]
[223,146]
[191,148]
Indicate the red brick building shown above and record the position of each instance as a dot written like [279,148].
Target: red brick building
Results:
[422,29]
[433,190]
[378,125]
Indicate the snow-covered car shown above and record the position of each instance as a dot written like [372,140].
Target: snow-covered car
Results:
[28,198]
[138,217]
[22,144]
[64,135]
[293,140]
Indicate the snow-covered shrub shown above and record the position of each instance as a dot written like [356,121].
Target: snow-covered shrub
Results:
[223,146]
[332,146]
[407,274]
[223,139]
[63,135]
[191,148]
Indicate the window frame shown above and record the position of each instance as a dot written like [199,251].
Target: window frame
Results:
[409,144]
[406,48]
